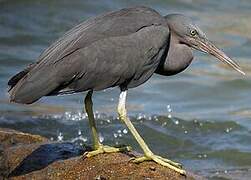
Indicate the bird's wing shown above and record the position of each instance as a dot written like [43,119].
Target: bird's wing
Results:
[117,23]
[125,61]
[113,24]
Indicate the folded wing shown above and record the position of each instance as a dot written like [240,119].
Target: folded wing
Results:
[80,59]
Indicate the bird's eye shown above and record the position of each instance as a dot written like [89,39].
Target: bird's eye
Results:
[193,32]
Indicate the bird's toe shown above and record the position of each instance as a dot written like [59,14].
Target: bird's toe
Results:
[107,149]
[162,161]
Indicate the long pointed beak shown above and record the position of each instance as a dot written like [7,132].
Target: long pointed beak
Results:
[208,47]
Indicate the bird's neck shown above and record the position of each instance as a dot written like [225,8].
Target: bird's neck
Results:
[177,58]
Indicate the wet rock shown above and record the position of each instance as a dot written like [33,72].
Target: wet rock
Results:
[25,159]
[11,140]
[41,159]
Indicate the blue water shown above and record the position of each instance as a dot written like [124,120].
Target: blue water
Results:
[200,117]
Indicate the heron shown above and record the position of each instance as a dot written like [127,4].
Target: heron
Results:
[122,48]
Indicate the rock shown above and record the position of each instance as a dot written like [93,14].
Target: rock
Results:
[103,166]
[9,137]
[25,159]
[37,158]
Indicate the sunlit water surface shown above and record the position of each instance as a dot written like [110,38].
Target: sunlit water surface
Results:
[200,117]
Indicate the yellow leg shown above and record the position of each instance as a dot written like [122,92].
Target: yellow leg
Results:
[97,146]
[148,155]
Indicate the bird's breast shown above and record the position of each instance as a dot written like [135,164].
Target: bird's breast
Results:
[177,59]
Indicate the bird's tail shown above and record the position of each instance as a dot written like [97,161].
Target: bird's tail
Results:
[27,87]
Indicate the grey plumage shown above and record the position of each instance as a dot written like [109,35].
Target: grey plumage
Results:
[121,48]
[96,49]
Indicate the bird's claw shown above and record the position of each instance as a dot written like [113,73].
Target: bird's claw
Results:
[162,161]
[107,149]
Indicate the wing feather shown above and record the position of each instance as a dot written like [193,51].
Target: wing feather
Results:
[117,23]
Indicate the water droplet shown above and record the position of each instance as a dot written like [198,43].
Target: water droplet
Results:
[125,131]
[60,137]
[108,120]
[185,132]
[140,116]
[225,172]
[101,138]
[119,131]
[85,139]
[228,130]
[115,135]
[155,118]
[168,106]
[79,132]
[164,124]
[205,155]
[176,122]
[120,135]
[169,116]
[52,139]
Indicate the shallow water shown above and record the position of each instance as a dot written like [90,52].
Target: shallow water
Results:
[200,117]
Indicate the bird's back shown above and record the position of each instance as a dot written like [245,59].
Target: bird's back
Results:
[41,78]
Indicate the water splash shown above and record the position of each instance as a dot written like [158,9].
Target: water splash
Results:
[75,116]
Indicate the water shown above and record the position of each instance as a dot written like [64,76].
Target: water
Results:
[200,117]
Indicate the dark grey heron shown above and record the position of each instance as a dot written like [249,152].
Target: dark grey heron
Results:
[122,48]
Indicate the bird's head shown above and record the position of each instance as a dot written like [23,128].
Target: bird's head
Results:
[187,32]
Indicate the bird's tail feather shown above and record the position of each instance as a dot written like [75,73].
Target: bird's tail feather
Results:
[31,86]
[14,79]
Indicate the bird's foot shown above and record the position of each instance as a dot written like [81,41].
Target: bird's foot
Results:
[107,149]
[162,161]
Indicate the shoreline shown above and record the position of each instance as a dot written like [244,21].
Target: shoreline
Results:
[27,156]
